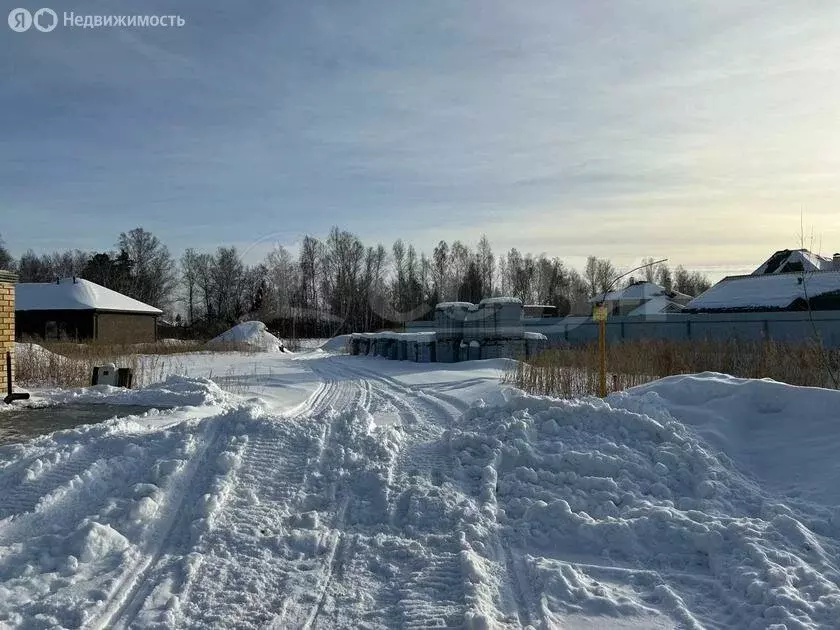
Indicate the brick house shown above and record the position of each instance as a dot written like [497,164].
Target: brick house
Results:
[73,309]
[7,324]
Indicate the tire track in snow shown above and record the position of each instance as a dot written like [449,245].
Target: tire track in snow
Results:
[307,602]
[423,449]
[431,590]
[334,558]
[26,493]
[525,601]
[135,583]
[274,483]
[445,401]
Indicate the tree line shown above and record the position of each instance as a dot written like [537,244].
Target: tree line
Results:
[332,285]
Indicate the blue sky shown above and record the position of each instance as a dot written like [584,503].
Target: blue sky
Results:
[697,131]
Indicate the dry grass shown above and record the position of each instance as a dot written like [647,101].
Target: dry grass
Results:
[71,365]
[573,371]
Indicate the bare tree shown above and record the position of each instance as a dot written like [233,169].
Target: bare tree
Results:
[153,273]
[6,260]
[440,270]
[590,274]
[664,277]
[486,262]
[604,275]
[189,277]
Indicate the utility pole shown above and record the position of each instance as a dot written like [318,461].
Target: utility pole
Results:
[599,314]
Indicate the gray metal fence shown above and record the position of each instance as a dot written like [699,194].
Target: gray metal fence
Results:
[780,326]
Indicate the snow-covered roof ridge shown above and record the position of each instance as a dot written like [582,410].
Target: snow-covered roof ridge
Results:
[534,336]
[638,291]
[76,294]
[656,306]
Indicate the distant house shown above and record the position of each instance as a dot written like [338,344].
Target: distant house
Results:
[74,309]
[797,260]
[771,292]
[642,298]
[787,281]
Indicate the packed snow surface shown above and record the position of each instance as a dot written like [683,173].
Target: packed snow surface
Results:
[250,334]
[405,495]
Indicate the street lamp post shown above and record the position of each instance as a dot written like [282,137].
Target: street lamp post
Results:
[599,314]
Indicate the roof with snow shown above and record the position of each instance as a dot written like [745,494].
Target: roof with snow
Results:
[76,294]
[500,300]
[656,306]
[453,305]
[793,260]
[641,290]
[768,291]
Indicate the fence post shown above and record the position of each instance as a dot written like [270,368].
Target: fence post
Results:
[688,329]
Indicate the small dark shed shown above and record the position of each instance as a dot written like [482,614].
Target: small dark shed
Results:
[73,309]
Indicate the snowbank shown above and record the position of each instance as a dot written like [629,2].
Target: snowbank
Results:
[175,391]
[605,495]
[252,335]
[336,344]
[785,436]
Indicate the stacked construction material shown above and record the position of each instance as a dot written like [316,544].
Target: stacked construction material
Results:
[534,344]
[499,319]
[499,328]
[463,332]
[396,346]
[450,318]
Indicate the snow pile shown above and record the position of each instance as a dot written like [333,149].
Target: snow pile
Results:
[621,510]
[175,391]
[251,335]
[784,436]
[336,344]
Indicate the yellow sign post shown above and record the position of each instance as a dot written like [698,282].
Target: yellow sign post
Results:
[599,314]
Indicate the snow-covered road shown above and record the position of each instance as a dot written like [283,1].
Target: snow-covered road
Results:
[401,496]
